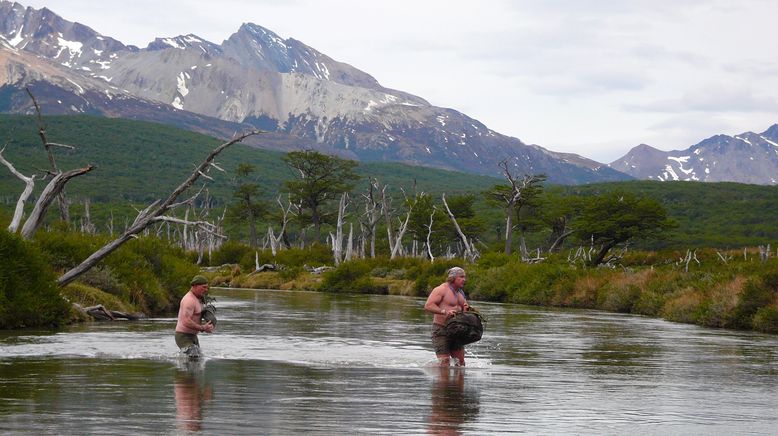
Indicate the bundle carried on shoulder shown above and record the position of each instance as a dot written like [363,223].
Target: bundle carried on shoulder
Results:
[209,310]
[464,328]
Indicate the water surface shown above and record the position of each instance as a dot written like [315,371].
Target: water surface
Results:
[291,362]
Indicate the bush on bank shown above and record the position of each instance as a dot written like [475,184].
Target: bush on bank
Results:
[741,294]
[145,274]
[29,296]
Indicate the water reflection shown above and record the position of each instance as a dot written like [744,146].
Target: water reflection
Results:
[452,404]
[193,393]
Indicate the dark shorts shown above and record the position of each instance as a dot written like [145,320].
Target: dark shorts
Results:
[186,340]
[440,342]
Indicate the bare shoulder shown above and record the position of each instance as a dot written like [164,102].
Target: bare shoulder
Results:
[441,288]
[436,292]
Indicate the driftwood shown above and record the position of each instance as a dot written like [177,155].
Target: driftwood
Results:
[101,313]
[318,269]
[265,267]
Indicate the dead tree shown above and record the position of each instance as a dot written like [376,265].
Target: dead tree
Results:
[278,242]
[514,198]
[350,243]
[87,226]
[373,213]
[429,234]
[764,253]
[469,250]
[396,240]
[337,238]
[152,214]
[63,203]
[50,192]
[29,182]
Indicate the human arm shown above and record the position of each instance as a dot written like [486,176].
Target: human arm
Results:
[433,303]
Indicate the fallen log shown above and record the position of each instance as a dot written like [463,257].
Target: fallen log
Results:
[101,313]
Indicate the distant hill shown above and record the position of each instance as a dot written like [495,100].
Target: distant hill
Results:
[746,158]
[139,161]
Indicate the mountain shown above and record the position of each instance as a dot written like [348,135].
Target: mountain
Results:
[255,79]
[746,158]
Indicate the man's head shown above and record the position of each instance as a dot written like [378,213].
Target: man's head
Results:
[456,277]
[199,285]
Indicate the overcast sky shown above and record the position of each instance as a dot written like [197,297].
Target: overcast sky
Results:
[590,77]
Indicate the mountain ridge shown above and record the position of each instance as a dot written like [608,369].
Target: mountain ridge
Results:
[256,78]
[745,158]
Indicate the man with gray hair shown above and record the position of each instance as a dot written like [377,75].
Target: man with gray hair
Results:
[445,301]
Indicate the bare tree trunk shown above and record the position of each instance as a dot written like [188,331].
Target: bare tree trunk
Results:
[429,236]
[523,247]
[350,244]
[272,239]
[388,217]
[470,252]
[60,195]
[88,226]
[29,186]
[48,195]
[337,239]
[509,231]
[148,216]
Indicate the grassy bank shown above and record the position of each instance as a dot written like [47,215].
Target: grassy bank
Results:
[740,294]
[145,275]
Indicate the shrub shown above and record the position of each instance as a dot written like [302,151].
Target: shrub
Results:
[766,319]
[352,277]
[291,272]
[65,250]
[684,307]
[755,296]
[86,296]
[231,252]
[29,296]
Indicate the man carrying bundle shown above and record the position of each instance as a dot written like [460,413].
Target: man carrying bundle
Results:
[444,302]
[189,318]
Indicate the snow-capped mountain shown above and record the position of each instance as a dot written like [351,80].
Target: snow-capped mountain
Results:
[257,78]
[747,158]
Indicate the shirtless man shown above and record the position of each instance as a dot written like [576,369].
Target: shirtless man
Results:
[444,301]
[188,325]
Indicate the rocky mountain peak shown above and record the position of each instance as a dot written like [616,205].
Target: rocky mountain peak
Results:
[184,42]
[771,133]
[255,77]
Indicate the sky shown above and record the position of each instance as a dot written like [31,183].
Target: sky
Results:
[592,77]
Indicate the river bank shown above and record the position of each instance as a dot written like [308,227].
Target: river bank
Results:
[720,289]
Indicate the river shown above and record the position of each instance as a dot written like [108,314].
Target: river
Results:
[300,362]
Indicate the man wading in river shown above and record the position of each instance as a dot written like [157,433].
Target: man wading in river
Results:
[189,314]
[445,301]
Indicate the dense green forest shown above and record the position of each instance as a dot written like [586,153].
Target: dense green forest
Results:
[571,239]
[138,162]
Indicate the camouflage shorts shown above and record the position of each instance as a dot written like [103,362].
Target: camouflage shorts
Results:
[440,342]
[186,340]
